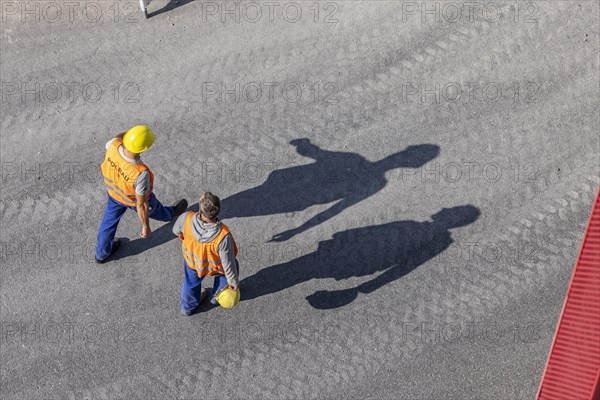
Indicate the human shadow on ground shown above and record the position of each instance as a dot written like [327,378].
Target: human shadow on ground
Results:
[335,175]
[130,248]
[344,177]
[394,249]
[158,237]
[171,5]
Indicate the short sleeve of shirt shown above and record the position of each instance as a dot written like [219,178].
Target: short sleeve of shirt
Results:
[179,224]
[109,142]
[142,183]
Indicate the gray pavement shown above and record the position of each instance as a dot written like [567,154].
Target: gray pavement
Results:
[408,183]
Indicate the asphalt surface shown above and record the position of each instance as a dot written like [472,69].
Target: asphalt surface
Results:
[408,187]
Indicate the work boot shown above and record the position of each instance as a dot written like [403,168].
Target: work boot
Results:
[213,301]
[115,246]
[180,207]
[203,294]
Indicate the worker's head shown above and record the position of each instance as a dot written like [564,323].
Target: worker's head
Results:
[304,147]
[209,206]
[455,217]
[138,139]
[300,142]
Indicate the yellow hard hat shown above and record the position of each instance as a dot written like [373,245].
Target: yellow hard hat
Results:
[228,298]
[138,139]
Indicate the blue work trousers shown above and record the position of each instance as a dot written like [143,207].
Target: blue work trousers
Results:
[191,288]
[112,215]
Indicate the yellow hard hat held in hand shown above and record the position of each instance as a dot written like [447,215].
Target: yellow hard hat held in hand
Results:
[139,139]
[227,297]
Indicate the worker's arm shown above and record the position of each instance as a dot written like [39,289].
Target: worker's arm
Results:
[179,225]
[230,264]
[316,220]
[142,189]
[143,210]
[119,136]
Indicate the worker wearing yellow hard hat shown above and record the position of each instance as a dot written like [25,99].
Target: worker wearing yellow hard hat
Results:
[130,183]
[209,249]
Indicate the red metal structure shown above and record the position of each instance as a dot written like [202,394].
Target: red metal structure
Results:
[573,367]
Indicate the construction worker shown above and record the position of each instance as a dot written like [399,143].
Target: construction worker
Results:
[129,183]
[208,250]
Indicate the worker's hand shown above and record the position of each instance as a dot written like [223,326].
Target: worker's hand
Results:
[234,288]
[283,236]
[329,299]
[145,231]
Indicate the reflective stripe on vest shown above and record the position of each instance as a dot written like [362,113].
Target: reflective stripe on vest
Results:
[203,257]
[120,175]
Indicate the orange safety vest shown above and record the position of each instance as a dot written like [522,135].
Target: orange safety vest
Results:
[120,175]
[203,257]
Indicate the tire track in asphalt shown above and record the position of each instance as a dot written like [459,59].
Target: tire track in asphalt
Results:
[362,49]
[353,367]
[359,354]
[172,170]
[264,57]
